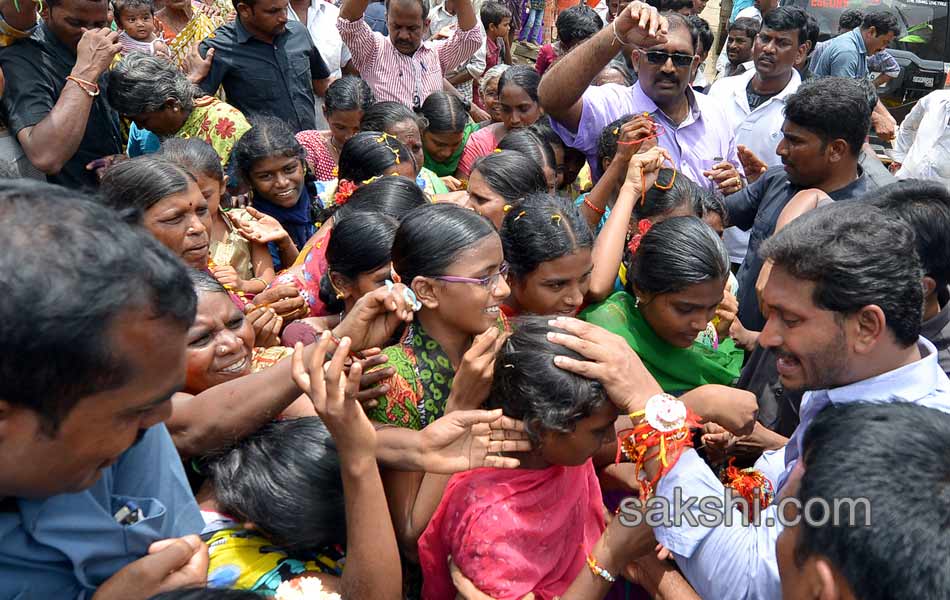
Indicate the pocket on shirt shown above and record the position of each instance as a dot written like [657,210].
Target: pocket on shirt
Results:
[139,536]
[301,68]
[259,89]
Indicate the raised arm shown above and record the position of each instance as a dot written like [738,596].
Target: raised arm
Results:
[608,248]
[352,10]
[231,411]
[50,143]
[564,83]
[372,563]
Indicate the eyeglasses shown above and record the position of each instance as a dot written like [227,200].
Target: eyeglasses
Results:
[490,282]
[656,57]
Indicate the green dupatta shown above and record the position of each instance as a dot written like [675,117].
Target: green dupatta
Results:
[448,168]
[677,370]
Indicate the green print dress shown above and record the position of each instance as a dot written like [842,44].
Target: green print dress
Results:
[420,387]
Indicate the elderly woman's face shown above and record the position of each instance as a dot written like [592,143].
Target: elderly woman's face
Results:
[164,122]
[491,99]
[220,343]
[182,223]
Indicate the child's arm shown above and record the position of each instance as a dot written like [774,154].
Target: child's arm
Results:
[263,269]
[608,248]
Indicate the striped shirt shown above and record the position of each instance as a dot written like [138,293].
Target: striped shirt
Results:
[393,76]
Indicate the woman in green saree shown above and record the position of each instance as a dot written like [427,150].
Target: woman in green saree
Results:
[673,312]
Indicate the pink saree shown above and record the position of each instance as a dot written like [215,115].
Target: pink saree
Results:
[513,531]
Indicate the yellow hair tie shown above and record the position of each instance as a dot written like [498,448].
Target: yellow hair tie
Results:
[496,151]
[556,219]
[616,131]
[521,214]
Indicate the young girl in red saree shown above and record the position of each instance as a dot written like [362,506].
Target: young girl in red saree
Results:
[512,532]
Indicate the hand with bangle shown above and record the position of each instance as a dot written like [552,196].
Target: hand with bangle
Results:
[640,24]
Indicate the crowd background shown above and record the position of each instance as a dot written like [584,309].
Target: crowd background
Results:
[398,300]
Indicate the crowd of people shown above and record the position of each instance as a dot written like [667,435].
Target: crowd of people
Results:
[352,301]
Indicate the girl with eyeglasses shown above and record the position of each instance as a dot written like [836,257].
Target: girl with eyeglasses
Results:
[452,260]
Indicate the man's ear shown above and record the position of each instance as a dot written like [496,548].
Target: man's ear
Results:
[867,326]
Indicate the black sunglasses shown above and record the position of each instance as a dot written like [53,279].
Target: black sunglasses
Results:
[656,57]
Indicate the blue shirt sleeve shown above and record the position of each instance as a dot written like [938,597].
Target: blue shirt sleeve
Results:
[66,546]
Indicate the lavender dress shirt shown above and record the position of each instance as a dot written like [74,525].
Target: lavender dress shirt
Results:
[693,144]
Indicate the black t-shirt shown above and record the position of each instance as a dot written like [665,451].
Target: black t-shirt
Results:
[35,70]
[261,78]
[757,100]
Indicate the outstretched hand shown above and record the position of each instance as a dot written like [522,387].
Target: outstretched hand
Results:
[469,439]
[334,396]
[641,25]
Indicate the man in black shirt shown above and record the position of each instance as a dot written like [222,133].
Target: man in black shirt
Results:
[55,98]
[267,65]
[826,122]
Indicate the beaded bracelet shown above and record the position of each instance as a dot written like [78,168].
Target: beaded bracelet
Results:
[590,205]
[598,570]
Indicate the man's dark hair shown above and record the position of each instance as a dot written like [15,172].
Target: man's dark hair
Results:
[493,13]
[892,458]
[812,32]
[925,206]
[676,21]
[576,24]
[747,25]
[72,269]
[856,256]
[423,4]
[850,18]
[675,5]
[832,108]
[882,20]
[786,18]
[703,33]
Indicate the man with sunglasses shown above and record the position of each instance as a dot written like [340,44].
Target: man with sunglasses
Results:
[754,101]
[691,127]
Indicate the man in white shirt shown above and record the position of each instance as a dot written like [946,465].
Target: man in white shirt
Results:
[922,147]
[738,48]
[845,324]
[320,18]
[754,101]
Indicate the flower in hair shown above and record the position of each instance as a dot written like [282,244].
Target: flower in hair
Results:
[344,190]
[643,226]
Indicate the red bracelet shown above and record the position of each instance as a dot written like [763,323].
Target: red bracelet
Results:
[590,205]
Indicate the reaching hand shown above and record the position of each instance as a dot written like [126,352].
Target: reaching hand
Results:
[226,275]
[753,166]
[726,313]
[263,229]
[453,184]
[333,393]
[95,52]
[610,360]
[726,177]
[195,67]
[644,169]
[466,590]
[473,378]
[267,325]
[639,127]
[375,317]
[641,25]
[170,565]
[285,300]
[478,114]
[469,439]
[371,386]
